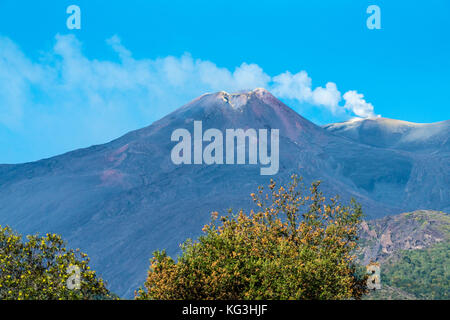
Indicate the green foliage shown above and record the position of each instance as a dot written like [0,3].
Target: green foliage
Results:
[424,272]
[37,269]
[294,247]
[389,293]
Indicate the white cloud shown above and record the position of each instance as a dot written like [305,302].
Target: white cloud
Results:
[92,101]
[299,87]
[355,102]
[328,96]
[250,76]
[293,86]
[16,75]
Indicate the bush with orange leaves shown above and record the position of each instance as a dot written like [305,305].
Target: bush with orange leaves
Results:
[293,247]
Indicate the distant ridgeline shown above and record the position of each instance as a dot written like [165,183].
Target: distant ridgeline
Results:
[413,250]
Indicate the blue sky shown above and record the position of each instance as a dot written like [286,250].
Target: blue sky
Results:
[134,61]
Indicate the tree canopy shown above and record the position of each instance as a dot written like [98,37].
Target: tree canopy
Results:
[294,246]
[42,268]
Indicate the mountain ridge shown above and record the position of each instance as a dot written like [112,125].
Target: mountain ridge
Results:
[392,133]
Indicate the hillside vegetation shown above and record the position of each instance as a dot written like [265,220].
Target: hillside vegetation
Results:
[42,268]
[414,252]
[424,273]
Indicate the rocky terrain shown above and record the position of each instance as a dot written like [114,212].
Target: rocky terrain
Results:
[382,238]
[413,252]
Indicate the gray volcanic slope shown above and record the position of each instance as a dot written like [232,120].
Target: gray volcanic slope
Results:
[122,200]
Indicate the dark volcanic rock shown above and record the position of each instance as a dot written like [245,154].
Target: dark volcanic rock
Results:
[382,238]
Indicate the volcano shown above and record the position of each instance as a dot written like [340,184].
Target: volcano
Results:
[122,200]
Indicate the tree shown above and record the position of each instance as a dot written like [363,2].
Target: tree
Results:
[42,268]
[422,272]
[293,247]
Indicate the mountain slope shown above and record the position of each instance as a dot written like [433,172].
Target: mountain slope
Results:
[122,200]
[424,176]
[413,251]
[397,134]
[383,238]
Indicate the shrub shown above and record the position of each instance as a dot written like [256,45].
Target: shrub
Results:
[40,268]
[292,247]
